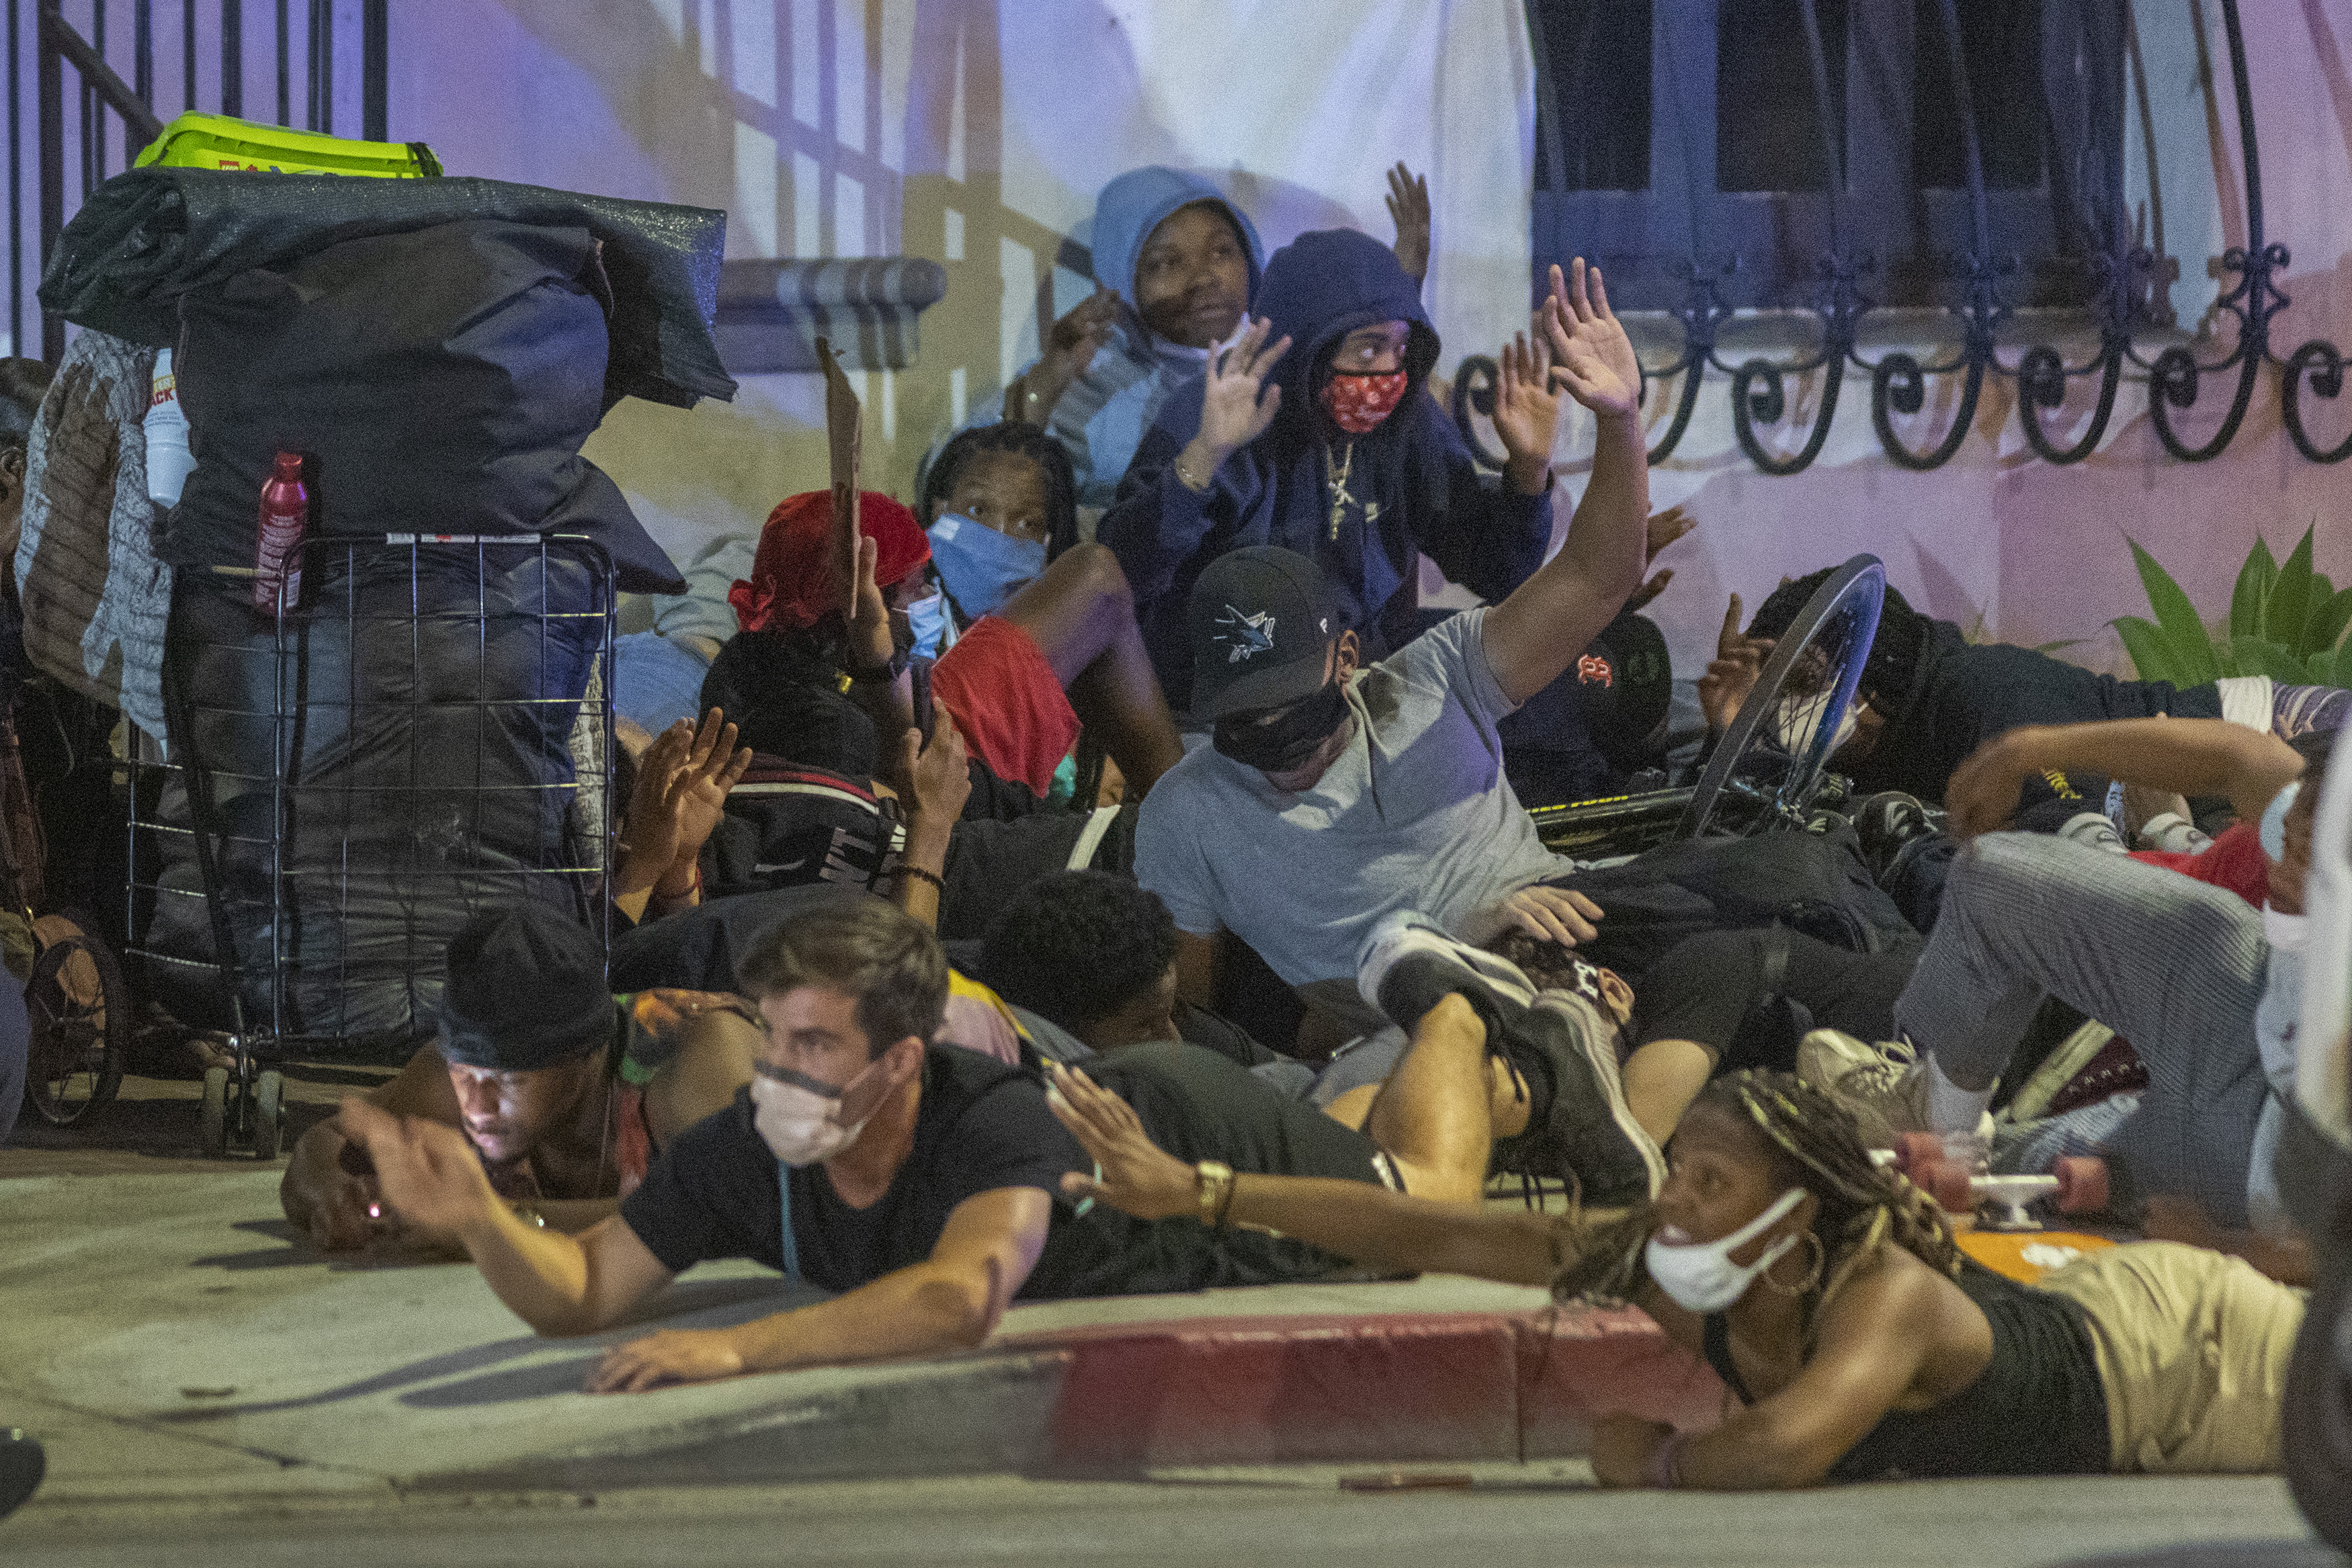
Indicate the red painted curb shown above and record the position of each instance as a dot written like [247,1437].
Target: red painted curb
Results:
[1411,1387]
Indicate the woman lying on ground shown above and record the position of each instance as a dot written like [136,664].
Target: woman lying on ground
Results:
[1830,1296]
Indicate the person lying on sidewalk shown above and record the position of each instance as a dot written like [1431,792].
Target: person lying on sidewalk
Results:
[918,1180]
[2206,989]
[533,1073]
[1716,1002]
[1826,1291]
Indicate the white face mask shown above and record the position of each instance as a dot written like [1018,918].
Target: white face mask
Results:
[1700,1276]
[803,1122]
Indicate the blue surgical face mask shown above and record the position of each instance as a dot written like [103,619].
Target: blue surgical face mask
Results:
[2272,831]
[981,567]
[927,618]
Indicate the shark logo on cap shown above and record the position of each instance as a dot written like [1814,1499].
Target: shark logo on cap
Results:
[1244,636]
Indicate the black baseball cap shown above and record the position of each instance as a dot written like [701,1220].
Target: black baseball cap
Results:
[524,989]
[1263,627]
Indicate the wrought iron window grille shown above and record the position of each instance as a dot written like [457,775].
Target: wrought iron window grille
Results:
[2121,281]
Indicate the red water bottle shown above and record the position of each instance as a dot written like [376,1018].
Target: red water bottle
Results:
[277,545]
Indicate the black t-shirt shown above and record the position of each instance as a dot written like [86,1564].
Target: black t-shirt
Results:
[1965,695]
[983,1126]
[713,1193]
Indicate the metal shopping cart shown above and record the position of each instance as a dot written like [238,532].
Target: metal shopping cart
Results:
[425,730]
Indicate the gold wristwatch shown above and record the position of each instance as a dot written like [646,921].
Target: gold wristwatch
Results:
[1213,1182]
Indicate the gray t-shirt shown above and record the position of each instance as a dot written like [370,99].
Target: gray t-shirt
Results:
[1415,814]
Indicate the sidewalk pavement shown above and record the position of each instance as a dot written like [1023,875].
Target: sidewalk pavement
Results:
[168,1340]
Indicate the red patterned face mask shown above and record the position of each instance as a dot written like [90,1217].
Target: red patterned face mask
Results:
[1358,400]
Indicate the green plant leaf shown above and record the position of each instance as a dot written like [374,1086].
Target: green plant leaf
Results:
[2061,646]
[2261,656]
[2319,669]
[2151,656]
[2184,634]
[2289,607]
[2328,620]
[2255,580]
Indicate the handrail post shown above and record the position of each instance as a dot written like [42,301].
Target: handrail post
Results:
[50,71]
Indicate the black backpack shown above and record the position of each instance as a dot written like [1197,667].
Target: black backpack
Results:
[1816,883]
[791,826]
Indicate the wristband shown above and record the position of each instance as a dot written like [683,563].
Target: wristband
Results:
[1213,1182]
[1666,1463]
[689,891]
[920,874]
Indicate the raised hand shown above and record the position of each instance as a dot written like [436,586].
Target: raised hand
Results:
[1731,675]
[869,644]
[649,843]
[1070,348]
[937,777]
[1527,412]
[1138,1176]
[1665,529]
[1232,411]
[1409,210]
[697,796]
[1590,351]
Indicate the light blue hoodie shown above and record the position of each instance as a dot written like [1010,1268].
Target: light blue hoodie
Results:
[1101,419]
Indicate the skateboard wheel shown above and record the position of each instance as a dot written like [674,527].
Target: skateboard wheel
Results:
[1916,1154]
[1951,1188]
[2082,1185]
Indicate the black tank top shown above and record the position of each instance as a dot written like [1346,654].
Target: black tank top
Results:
[2038,1410]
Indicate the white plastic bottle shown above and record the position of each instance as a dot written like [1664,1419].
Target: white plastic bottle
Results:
[169,461]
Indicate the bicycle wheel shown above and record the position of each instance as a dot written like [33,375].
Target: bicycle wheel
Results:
[1767,766]
[80,1009]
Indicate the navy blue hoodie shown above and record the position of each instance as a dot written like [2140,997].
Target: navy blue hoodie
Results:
[1414,486]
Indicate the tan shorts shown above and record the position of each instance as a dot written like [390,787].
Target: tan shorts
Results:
[2193,1348]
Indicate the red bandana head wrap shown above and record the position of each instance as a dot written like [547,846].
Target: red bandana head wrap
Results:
[791,577]
[1358,400]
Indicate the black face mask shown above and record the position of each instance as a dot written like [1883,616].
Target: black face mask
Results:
[1290,737]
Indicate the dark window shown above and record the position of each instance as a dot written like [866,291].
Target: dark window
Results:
[1768,123]
[1594,133]
[2000,45]
[1679,132]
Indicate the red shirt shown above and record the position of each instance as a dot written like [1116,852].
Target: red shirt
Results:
[2235,861]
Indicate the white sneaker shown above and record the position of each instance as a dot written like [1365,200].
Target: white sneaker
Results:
[1883,1084]
[1409,964]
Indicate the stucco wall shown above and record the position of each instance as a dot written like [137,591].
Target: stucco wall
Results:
[976,133]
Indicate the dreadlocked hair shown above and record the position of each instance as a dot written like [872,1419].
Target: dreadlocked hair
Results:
[1895,652]
[1016,440]
[1814,1144]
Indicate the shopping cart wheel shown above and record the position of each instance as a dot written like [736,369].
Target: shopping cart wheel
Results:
[268,1113]
[212,1129]
[79,1011]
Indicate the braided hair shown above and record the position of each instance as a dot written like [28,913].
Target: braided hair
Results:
[1813,1144]
[1017,440]
[1895,653]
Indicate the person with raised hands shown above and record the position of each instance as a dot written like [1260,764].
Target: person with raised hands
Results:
[1310,431]
[1339,788]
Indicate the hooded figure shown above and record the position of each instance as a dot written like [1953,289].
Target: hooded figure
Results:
[1102,417]
[1360,507]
